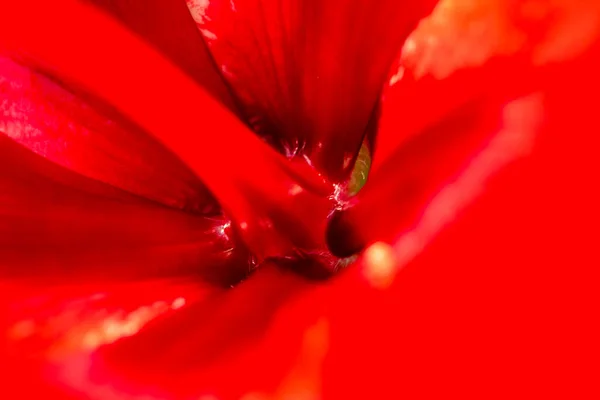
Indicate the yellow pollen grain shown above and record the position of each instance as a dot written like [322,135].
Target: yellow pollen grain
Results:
[178,303]
[380,265]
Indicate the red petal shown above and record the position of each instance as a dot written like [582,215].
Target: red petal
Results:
[308,72]
[461,52]
[174,107]
[56,124]
[500,304]
[205,345]
[475,84]
[46,325]
[487,307]
[169,27]
[496,300]
[57,225]
[74,133]
[439,168]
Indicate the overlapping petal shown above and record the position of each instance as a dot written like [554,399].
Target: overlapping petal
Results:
[476,311]
[170,113]
[481,64]
[76,134]
[59,226]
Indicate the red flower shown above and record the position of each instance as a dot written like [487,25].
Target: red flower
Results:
[132,195]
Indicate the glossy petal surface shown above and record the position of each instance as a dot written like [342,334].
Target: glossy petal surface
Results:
[94,141]
[308,73]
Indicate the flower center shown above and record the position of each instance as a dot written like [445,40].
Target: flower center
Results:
[317,260]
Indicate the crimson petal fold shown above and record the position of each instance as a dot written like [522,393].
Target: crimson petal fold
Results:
[308,73]
[59,226]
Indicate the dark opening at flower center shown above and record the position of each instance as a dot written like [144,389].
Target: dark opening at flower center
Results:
[336,249]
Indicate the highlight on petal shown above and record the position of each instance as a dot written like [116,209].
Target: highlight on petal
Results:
[62,127]
[49,331]
[464,49]
[62,319]
[232,334]
[308,73]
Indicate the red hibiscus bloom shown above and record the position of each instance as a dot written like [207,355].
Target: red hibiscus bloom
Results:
[154,155]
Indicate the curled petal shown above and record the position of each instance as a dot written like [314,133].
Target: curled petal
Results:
[308,73]
[437,171]
[476,85]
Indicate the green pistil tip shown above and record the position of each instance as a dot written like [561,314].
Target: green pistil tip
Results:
[359,175]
